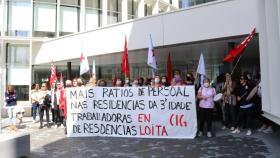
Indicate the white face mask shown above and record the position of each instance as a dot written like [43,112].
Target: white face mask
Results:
[163,80]
[206,84]
[156,80]
[126,81]
[118,82]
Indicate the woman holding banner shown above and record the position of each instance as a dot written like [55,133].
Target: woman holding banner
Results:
[206,105]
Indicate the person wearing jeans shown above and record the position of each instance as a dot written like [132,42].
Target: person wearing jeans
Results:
[35,101]
[11,100]
[206,105]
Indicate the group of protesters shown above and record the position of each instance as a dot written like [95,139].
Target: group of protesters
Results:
[240,100]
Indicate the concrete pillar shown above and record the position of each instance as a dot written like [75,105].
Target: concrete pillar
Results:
[141,8]
[124,10]
[155,8]
[175,3]
[69,70]
[82,16]
[57,18]
[3,18]
[104,12]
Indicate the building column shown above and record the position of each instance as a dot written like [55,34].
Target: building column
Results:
[69,71]
[124,10]
[3,18]
[104,12]
[155,8]
[175,3]
[82,16]
[141,8]
[57,18]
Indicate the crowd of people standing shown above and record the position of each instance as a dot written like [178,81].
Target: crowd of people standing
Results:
[240,100]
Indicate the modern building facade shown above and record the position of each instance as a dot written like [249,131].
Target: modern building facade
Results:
[36,32]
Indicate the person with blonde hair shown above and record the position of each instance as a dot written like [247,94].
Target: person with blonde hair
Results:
[11,100]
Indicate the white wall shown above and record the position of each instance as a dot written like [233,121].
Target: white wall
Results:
[269,29]
[193,24]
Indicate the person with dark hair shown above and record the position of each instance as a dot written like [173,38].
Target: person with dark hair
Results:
[164,81]
[206,105]
[141,81]
[102,83]
[189,79]
[118,82]
[35,100]
[245,106]
[44,104]
[11,100]
[55,96]
[127,82]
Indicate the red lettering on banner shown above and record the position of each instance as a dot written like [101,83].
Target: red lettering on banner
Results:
[144,117]
[153,130]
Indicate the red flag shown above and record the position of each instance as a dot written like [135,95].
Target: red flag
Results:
[53,77]
[62,99]
[125,64]
[239,49]
[169,69]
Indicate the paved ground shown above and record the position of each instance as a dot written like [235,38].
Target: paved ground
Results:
[52,143]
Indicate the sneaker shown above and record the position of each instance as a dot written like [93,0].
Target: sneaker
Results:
[209,134]
[262,128]
[236,131]
[224,127]
[40,127]
[199,134]
[268,130]
[232,128]
[33,121]
[249,132]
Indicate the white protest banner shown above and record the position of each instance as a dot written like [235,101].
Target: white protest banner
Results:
[147,112]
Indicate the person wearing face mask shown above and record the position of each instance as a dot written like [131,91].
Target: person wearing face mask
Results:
[177,80]
[135,83]
[118,83]
[245,106]
[127,82]
[164,81]
[206,105]
[157,82]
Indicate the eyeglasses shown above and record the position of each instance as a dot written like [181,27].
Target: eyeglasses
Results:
[241,78]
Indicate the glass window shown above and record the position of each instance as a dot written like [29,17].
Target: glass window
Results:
[19,17]
[1,18]
[43,27]
[114,11]
[132,9]
[18,66]
[70,2]
[93,14]
[69,18]
[148,9]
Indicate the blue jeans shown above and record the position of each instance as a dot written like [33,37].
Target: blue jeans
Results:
[34,110]
[12,115]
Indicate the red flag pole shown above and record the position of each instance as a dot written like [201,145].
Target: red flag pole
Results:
[235,65]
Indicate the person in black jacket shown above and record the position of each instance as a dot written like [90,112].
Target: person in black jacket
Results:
[246,105]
